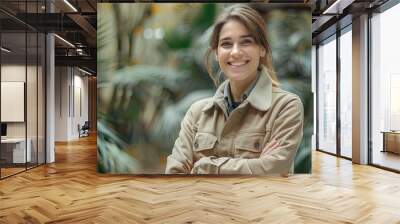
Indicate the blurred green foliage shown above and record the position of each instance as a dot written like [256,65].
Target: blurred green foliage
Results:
[150,62]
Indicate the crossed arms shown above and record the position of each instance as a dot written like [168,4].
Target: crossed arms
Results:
[276,157]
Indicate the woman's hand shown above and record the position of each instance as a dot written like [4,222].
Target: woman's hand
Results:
[269,147]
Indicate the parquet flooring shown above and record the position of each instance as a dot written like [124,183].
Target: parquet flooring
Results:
[10,171]
[70,191]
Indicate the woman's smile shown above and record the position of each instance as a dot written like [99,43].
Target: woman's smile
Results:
[238,64]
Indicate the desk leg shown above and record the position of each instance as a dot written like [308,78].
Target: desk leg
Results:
[384,142]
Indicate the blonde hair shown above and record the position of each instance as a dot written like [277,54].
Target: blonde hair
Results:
[253,21]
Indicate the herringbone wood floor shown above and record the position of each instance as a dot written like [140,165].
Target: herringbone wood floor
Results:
[70,191]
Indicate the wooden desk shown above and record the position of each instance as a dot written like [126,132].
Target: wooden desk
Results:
[15,148]
[391,141]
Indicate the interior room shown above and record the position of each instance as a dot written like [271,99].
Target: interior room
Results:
[32,97]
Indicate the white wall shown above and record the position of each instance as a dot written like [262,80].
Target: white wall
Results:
[71,94]
[61,103]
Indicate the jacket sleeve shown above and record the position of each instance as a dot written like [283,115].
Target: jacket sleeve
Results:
[181,159]
[287,128]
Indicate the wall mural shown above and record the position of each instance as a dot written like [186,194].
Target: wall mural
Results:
[161,110]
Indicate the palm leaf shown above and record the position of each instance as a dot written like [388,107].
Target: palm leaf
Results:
[138,74]
[111,156]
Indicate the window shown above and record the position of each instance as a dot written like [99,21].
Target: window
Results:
[385,89]
[346,93]
[327,96]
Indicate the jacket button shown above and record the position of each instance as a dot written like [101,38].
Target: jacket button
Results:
[257,145]
[196,144]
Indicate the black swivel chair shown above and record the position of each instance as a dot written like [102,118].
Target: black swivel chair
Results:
[84,130]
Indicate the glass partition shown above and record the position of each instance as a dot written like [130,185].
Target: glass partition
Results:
[13,91]
[31,99]
[22,88]
[327,95]
[41,86]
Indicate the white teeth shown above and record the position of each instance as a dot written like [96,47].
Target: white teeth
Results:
[237,63]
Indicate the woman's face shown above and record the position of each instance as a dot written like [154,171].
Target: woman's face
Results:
[238,54]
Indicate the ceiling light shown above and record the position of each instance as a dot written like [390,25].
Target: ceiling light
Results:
[86,72]
[5,49]
[70,5]
[65,41]
[338,6]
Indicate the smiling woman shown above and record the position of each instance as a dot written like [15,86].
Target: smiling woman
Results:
[250,125]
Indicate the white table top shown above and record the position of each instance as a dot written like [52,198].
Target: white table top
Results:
[13,140]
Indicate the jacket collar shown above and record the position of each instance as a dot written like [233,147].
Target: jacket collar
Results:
[260,97]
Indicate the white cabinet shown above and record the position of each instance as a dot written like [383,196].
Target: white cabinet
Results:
[18,149]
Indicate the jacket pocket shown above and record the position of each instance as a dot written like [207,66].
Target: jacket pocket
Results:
[203,145]
[249,145]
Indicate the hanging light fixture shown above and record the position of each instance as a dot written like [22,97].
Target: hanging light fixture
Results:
[64,40]
[70,5]
[5,50]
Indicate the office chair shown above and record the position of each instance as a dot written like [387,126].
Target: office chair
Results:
[84,130]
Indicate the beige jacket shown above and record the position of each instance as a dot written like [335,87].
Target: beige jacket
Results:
[210,142]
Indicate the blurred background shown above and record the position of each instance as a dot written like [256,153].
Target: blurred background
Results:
[150,70]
